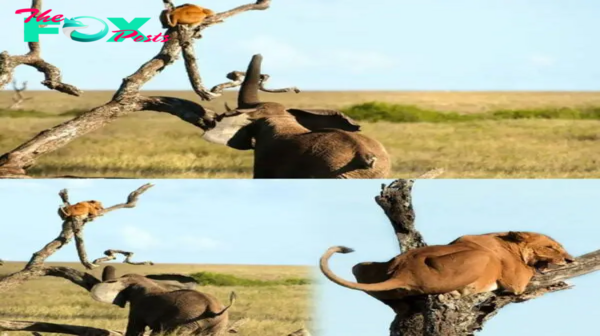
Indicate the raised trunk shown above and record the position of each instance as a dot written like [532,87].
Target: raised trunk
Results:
[248,95]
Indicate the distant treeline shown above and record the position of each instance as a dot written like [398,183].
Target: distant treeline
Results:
[398,113]
[224,280]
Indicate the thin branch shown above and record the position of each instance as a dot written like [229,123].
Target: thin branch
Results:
[110,255]
[263,82]
[237,77]
[126,99]
[189,55]
[131,199]
[71,227]
[446,314]
[53,78]
[55,328]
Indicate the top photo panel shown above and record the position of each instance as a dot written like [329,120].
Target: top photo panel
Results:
[299,89]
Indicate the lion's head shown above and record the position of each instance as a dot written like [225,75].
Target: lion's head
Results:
[538,250]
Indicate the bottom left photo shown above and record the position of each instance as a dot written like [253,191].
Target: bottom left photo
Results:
[97,257]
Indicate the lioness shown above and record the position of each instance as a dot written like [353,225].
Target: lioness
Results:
[468,265]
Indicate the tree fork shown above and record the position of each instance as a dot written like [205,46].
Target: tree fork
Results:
[446,315]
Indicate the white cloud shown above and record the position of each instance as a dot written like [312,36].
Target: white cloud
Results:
[361,61]
[542,60]
[284,55]
[280,54]
[137,238]
[198,243]
[79,183]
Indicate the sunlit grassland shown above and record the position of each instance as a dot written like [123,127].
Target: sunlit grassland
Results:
[161,146]
[271,310]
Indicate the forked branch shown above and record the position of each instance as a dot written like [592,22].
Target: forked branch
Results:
[111,255]
[53,78]
[71,227]
[127,98]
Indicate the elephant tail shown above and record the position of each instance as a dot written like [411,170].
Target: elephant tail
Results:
[366,159]
[232,298]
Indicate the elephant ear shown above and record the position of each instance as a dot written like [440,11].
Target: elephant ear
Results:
[316,119]
[231,131]
[113,291]
[173,281]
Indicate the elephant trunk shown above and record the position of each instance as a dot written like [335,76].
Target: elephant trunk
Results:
[248,95]
[109,273]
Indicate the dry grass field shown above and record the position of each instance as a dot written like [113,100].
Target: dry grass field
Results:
[161,146]
[271,311]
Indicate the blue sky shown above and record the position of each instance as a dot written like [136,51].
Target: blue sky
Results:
[347,45]
[294,222]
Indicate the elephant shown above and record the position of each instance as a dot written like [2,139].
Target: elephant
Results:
[294,142]
[157,302]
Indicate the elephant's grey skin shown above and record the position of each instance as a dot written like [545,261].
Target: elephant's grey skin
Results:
[297,143]
[161,308]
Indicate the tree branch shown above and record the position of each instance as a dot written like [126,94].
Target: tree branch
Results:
[70,227]
[110,255]
[56,328]
[445,314]
[126,99]
[53,78]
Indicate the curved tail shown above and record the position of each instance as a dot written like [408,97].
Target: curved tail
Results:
[376,287]
[232,298]
[248,95]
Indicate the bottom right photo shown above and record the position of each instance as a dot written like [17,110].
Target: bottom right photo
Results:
[460,257]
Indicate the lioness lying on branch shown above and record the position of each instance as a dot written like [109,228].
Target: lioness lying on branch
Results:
[470,264]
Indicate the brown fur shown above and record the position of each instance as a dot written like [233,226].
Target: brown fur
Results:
[297,143]
[468,265]
[82,210]
[161,308]
[186,14]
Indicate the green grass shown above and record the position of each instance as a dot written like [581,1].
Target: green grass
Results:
[398,113]
[269,310]
[223,280]
[468,134]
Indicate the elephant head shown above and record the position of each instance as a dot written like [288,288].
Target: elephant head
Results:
[119,291]
[164,303]
[294,142]
[238,127]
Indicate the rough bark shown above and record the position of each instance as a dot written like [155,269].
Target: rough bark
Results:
[127,98]
[56,328]
[444,314]
[70,228]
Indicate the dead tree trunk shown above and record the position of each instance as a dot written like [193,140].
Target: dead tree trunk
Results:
[127,98]
[444,314]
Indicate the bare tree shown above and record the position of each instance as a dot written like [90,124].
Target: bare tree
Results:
[445,314]
[71,228]
[18,97]
[127,98]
